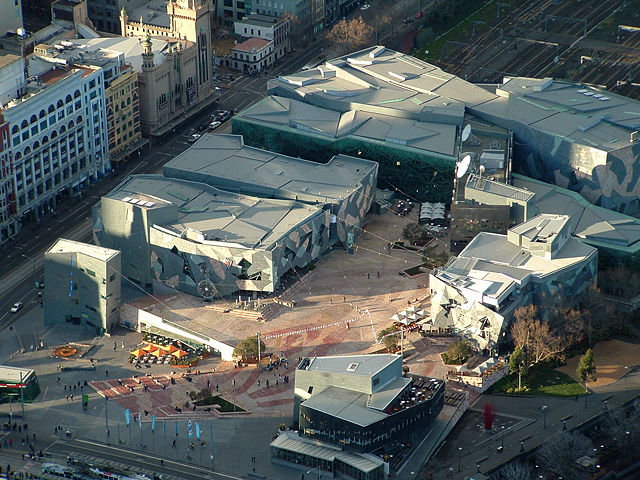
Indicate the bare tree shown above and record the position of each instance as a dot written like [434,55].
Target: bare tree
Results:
[379,23]
[535,337]
[295,25]
[350,35]
[559,454]
[515,471]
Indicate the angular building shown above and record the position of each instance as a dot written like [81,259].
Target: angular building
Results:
[225,218]
[409,116]
[381,105]
[83,285]
[346,407]
[538,262]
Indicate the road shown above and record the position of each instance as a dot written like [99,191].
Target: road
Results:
[17,280]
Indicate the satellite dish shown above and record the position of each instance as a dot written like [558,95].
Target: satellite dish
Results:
[466,131]
[463,166]
[481,169]
[206,289]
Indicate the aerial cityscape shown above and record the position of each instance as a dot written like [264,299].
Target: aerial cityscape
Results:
[317,239]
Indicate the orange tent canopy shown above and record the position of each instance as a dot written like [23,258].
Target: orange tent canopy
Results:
[179,353]
[138,352]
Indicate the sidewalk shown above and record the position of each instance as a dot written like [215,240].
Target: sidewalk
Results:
[485,456]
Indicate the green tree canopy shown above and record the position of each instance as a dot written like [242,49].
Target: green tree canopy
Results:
[390,341]
[248,348]
[459,352]
[586,366]
[518,364]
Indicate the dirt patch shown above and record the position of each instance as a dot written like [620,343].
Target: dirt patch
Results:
[611,358]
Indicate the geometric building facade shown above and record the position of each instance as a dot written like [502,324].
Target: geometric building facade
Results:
[538,262]
[180,230]
[385,103]
[83,285]
[351,406]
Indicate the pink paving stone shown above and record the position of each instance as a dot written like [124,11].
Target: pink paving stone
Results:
[248,383]
[273,403]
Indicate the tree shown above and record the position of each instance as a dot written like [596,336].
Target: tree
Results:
[248,348]
[379,24]
[415,233]
[295,25]
[586,366]
[489,414]
[535,337]
[559,454]
[390,337]
[514,471]
[518,364]
[458,352]
[350,35]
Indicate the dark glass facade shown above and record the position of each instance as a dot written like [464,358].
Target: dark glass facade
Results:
[30,386]
[403,424]
[425,178]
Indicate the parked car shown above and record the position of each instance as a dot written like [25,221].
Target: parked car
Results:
[16,307]
[365,7]
[203,127]
[407,20]
[194,138]
[419,14]
[214,125]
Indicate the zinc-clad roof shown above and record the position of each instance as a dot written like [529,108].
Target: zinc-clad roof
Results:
[294,443]
[222,216]
[223,161]
[63,245]
[345,404]
[497,188]
[366,365]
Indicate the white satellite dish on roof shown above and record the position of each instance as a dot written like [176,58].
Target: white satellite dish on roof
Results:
[463,166]
[466,132]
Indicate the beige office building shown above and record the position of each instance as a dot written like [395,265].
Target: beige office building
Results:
[83,285]
[123,114]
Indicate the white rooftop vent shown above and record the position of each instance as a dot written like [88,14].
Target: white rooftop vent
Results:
[126,199]
[352,367]
[602,98]
[376,52]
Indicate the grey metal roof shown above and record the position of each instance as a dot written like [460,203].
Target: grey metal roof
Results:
[595,225]
[63,245]
[497,188]
[224,161]
[222,216]
[295,443]
[153,12]
[364,365]
[383,397]
[544,226]
[345,404]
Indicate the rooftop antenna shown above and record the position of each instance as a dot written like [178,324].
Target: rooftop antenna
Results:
[466,132]
[462,166]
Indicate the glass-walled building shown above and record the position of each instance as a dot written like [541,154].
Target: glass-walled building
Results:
[352,410]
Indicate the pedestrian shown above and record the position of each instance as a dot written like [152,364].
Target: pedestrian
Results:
[65,388]
[106,373]
[58,380]
[368,276]
[378,274]
[67,397]
[174,443]
[267,383]
[258,382]
[344,299]
[276,382]
[216,387]
[72,397]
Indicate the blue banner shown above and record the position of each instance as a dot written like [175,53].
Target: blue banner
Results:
[140,420]
[177,428]
[153,423]
[164,427]
[197,430]
[190,429]
[127,416]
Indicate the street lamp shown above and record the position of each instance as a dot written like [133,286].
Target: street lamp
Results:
[459,457]
[626,371]
[33,261]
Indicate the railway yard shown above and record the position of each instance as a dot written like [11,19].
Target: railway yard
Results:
[595,42]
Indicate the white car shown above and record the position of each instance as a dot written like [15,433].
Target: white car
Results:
[194,138]
[214,125]
[16,307]
[365,7]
